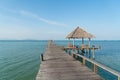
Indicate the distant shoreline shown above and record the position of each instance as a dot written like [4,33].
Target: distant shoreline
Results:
[47,40]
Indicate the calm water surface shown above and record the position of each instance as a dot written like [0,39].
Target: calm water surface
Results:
[19,60]
[109,55]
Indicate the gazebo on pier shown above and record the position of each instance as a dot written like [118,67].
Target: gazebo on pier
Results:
[79,33]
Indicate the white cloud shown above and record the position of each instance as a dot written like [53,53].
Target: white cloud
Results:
[8,10]
[42,19]
[35,16]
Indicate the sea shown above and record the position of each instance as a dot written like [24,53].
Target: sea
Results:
[20,59]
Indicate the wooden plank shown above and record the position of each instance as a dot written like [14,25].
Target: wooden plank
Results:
[60,66]
[100,65]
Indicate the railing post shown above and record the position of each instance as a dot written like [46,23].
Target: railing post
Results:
[95,68]
[76,57]
[69,51]
[72,54]
[93,52]
[118,77]
[42,57]
[83,62]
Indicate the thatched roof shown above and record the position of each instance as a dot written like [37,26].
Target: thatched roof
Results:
[80,33]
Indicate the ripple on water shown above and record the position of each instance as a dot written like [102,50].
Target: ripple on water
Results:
[19,60]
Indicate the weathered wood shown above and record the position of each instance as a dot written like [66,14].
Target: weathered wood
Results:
[118,78]
[83,61]
[58,65]
[114,72]
[95,69]
[71,48]
[42,59]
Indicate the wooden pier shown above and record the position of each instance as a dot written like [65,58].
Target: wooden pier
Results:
[58,65]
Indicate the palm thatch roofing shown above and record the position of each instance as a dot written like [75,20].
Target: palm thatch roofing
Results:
[79,33]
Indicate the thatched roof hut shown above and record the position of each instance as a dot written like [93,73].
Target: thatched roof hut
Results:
[79,33]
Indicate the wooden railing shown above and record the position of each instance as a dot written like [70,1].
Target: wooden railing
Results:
[96,65]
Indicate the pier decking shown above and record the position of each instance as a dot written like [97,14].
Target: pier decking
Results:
[58,65]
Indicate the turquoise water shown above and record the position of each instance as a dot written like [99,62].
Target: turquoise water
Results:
[19,60]
[109,55]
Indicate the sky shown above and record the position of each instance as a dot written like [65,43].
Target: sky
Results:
[54,19]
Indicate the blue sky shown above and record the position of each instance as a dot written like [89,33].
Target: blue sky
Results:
[54,19]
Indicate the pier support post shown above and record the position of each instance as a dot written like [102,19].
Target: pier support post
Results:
[89,53]
[93,52]
[95,69]
[42,57]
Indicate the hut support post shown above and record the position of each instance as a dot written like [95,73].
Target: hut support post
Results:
[89,47]
[89,53]
[93,54]
[89,42]
[73,42]
[82,40]
[69,41]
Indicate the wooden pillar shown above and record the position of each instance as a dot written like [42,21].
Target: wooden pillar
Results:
[95,68]
[118,77]
[69,51]
[83,62]
[73,42]
[89,49]
[82,40]
[89,42]
[42,59]
[72,55]
[68,41]
[93,53]
[89,53]
[76,56]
